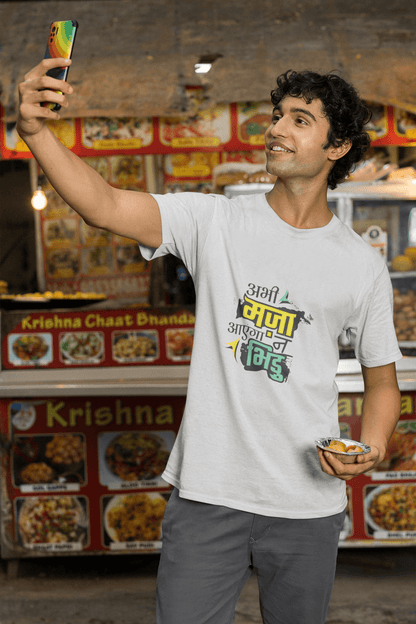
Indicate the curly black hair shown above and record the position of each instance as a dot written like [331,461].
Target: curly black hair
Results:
[346,112]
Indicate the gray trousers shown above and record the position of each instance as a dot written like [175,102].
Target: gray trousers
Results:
[210,551]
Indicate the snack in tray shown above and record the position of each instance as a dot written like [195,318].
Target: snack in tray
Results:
[135,518]
[38,472]
[344,450]
[137,456]
[353,449]
[337,445]
[51,519]
[65,449]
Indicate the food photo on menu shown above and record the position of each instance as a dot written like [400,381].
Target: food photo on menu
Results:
[48,459]
[135,346]
[101,130]
[134,457]
[94,236]
[81,347]
[132,518]
[62,263]
[390,509]
[211,123]
[129,259]
[30,349]
[179,343]
[52,520]
[127,171]
[60,232]
[401,451]
[97,260]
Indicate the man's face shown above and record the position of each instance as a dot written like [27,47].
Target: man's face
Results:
[295,139]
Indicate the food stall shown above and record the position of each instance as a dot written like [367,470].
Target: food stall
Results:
[93,378]
[91,401]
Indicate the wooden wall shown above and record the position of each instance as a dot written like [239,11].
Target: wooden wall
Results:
[135,57]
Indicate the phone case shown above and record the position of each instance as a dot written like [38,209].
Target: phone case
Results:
[60,44]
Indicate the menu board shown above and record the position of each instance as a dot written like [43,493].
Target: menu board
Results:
[78,257]
[405,125]
[102,134]
[253,119]
[377,127]
[84,474]
[382,502]
[120,337]
[219,128]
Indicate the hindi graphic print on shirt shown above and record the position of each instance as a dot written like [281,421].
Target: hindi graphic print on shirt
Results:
[273,321]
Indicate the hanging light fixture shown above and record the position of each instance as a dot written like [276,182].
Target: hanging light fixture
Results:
[205,63]
[39,201]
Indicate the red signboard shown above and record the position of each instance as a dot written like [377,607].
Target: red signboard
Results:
[382,503]
[129,337]
[220,128]
[83,474]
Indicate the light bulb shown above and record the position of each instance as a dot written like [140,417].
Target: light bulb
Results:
[202,68]
[39,200]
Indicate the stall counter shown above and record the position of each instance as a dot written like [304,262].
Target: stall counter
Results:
[84,445]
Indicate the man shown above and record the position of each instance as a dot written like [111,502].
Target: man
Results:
[277,279]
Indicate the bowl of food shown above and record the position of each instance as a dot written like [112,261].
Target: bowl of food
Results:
[137,455]
[65,451]
[391,507]
[135,517]
[52,519]
[37,472]
[345,450]
[82,347]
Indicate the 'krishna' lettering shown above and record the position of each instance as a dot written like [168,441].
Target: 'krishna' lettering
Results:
[269,327]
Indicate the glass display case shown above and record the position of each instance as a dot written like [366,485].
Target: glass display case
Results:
[385,216]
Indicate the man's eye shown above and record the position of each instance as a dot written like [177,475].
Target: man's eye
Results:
[301,121]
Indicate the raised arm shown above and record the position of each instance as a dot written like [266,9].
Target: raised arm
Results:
[129,213]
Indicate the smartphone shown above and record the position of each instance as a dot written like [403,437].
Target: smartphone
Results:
[60,45]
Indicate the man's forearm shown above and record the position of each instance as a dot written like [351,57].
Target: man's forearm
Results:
[381,412]
[75,181]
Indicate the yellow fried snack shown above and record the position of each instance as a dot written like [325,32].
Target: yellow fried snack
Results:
[336,445]
[353,449]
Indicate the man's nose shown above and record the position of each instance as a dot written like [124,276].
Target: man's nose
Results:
[279,128]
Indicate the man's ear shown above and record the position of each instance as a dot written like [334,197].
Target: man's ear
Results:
[335,153]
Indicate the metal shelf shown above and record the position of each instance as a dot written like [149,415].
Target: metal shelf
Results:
[123,380]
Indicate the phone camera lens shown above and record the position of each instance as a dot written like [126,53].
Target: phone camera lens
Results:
[53,29]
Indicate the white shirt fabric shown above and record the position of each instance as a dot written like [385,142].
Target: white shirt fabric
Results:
[271,302]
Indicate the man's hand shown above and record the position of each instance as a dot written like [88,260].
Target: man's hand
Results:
[36,89]
[334,467]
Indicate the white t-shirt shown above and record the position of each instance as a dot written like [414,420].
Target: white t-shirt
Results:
[271,302]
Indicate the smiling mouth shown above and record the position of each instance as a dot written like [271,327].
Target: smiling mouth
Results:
[278,148]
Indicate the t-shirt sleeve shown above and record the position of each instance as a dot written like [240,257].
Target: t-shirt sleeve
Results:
[186,218]
[370,328]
